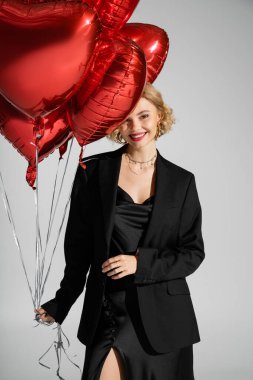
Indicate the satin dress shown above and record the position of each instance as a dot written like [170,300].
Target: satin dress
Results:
[120,326]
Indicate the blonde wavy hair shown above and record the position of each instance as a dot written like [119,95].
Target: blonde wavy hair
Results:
[167,117]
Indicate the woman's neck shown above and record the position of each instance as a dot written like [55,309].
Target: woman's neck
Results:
[143,153]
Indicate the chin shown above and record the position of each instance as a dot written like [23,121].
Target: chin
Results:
[140,144]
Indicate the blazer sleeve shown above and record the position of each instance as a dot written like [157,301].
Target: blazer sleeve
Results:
[154,265]
[78,249]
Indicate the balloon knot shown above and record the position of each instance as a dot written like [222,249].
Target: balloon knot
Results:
[81,159]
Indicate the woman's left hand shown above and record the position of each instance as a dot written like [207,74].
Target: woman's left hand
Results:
[120,266]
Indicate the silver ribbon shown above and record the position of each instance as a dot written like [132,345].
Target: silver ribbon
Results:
[16,240]
[40,280]
[59,349]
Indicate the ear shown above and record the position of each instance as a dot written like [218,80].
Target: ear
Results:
[159,116]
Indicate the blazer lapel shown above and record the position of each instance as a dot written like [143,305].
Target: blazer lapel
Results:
[109,169]
[164,199]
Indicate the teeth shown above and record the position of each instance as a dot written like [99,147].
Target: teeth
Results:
[136,136]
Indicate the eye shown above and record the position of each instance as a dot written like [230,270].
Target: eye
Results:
[125,122]
[145,116]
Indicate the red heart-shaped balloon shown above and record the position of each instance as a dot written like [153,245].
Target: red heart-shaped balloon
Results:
[116,94]
[45,51]
[21,132]
[154,42]
[114,14]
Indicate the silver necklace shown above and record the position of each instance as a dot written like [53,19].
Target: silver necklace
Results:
[142,164]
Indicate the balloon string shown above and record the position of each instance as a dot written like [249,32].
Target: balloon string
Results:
[81,162]
[57,239]
[52,203]
[38,237]
[59,193]
[39,288]
[58,236]
[52,220]
[11,220]
[59,349]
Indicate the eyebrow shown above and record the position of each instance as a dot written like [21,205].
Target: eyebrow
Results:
[141,112]
[138,114]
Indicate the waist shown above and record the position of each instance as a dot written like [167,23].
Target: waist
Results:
[123,283]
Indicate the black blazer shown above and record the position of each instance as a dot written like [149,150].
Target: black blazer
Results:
[172,249]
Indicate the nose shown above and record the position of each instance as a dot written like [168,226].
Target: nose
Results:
[134,125]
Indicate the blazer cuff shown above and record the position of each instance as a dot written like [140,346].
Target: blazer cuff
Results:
[146,258]
[52,308]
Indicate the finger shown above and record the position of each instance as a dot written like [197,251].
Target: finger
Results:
[45,319]
[42,314]
[115,271]
[112,265]
[119,275]
[112,260]
[39,310]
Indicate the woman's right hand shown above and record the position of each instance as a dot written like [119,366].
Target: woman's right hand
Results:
[44,316]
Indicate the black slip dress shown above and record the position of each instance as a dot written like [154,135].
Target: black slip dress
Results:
[120,325]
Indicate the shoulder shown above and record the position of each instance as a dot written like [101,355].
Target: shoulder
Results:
[94,158]
[183,179]
[91,162]
[177,170]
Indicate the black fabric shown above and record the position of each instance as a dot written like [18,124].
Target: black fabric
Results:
[130,221]
[120,324]
[171,249]
[120,328]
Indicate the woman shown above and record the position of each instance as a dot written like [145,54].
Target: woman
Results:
[135,222]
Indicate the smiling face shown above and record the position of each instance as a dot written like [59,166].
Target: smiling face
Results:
[140,127]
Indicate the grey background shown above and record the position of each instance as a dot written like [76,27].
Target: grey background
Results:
[207,79]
